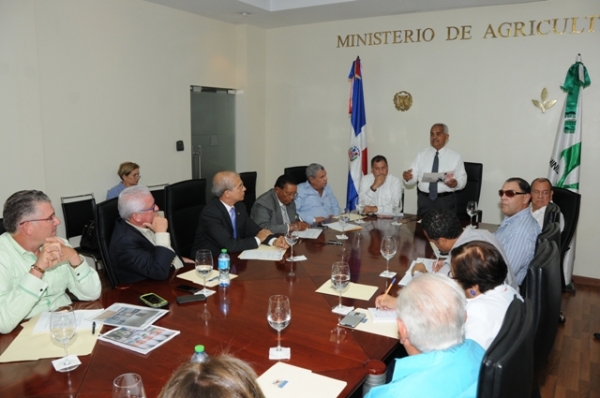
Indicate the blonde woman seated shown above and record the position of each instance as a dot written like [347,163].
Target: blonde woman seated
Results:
[129,173]
[480,270]
[219,377]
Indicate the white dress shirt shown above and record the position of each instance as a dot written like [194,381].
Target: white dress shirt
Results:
[385,197]
[449,162]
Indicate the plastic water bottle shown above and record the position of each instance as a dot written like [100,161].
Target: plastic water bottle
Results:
[224,261]
[199,354]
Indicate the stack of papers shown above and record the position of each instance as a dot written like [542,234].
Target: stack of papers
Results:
[139,340]
[212,279]
[264,252]
[311,233]
[354,290]
[133,316]
[288,381]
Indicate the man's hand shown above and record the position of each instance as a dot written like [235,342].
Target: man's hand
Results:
[280,242]
[451,183]
[407,175]
[437,265]
[187,260]
[263,234]
[370,209]
[385,302]
[319,219]
[299,226]
[159,224]
[50,254]
[379,180]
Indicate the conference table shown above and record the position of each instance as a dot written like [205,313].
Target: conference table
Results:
[234,321]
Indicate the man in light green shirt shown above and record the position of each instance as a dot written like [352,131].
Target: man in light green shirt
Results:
[36,267]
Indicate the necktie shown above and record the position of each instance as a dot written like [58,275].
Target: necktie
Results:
[232,215]
[284,213]
[433,186]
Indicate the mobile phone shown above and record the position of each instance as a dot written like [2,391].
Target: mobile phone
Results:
[334,242]
[188,288]
[190,299]
[153,300]
[352,319]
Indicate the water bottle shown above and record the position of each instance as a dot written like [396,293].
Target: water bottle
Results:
[224,261]
[199,354]
[224,300]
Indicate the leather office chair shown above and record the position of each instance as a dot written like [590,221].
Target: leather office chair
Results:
[471,191]
[158,192]
[507,366]
[78,211]
[550,232]
[249,180]
[184,202]
[544,290]
[298,173]
[569,203]
[107,214]
[2,230]
[552,214]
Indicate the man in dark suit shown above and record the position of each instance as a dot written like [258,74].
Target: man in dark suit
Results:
[215,228]
[275,209]
[140,247]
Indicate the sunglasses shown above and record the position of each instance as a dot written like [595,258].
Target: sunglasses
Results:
[510,193]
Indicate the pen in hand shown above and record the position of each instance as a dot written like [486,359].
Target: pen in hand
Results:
[93,327]
[389,288]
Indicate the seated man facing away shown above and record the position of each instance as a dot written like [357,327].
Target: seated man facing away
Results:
[140,247]
[224,221]
[37,267]
[441,363]
[519,231]
[275,209]
[315,201]
[380,191]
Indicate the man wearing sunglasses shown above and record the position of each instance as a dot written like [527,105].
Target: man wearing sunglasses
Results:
[140,246]
[519,230]
[36,266]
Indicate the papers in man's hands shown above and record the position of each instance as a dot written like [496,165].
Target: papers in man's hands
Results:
[311,233]
[288,381]
[264,252]
[428,265]
[139,340]
[433,177]
[133,316]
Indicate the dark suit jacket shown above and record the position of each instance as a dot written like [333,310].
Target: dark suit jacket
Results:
[267,213]
[135,258]
[215,231]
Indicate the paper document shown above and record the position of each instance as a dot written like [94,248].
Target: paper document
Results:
[82,316]
[139,340]
[287,381]
[433,177]
[354,290]
[388,329]
[311,233]
[428,265]
[264,252]
[212,279]
[348,227]
[133,316]
[378,315]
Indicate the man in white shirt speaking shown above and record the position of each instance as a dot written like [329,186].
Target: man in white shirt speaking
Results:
[380,191]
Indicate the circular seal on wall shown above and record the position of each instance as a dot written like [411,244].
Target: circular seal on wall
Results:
[353,153]
[403,101]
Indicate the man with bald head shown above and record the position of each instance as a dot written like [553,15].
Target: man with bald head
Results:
[224,222]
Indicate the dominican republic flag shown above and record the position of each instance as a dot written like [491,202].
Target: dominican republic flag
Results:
[357,153]
[566,156]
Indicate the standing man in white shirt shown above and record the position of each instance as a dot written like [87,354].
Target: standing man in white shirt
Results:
[380,191]
[437,159]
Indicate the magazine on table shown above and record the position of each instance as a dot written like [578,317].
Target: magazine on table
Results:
[139,340]
[133,316]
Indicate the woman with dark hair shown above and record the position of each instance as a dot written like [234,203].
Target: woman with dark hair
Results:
[480,270]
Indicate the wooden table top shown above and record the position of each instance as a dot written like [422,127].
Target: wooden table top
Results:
[234,320]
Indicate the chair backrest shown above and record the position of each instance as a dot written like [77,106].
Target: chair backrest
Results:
[184,202]
[544,289]
[298,173]
[552,214]
[550,232]
[158,192]
[77,211]
[569,203]
[472,190]
[249,180]
[507,366]
[2,230]
[107,213]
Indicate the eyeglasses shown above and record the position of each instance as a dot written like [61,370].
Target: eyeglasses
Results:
[510,193]
[154,208]
[535,192]
[51,218]
[290,194]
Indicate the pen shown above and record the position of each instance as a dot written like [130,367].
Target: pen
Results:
[390,286]
[93,327]
[213,278]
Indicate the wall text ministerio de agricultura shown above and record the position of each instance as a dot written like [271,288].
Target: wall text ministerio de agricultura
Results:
[556,26]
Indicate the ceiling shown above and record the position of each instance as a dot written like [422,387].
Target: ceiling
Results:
[280,13]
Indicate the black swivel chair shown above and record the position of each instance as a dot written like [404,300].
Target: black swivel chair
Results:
[552,214]
[78,211]
[249,180]
[158,192]
[550,232]
[569,203]
[471,192]
[184,202]
[298,173]
[107,213]
[507,366]
[544,290]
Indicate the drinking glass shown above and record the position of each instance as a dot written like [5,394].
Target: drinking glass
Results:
[360,207]
[291,240]
[471,211]
[396,213]
[63,326]
[128,385]
[388,250]
[340,278]
[279,315]
[204,266]
[344,218]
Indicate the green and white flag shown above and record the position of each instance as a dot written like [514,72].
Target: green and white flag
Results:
[566,156]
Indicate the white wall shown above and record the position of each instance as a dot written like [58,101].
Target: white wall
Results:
[481,88]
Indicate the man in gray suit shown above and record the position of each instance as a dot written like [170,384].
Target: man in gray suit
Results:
[275,209]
